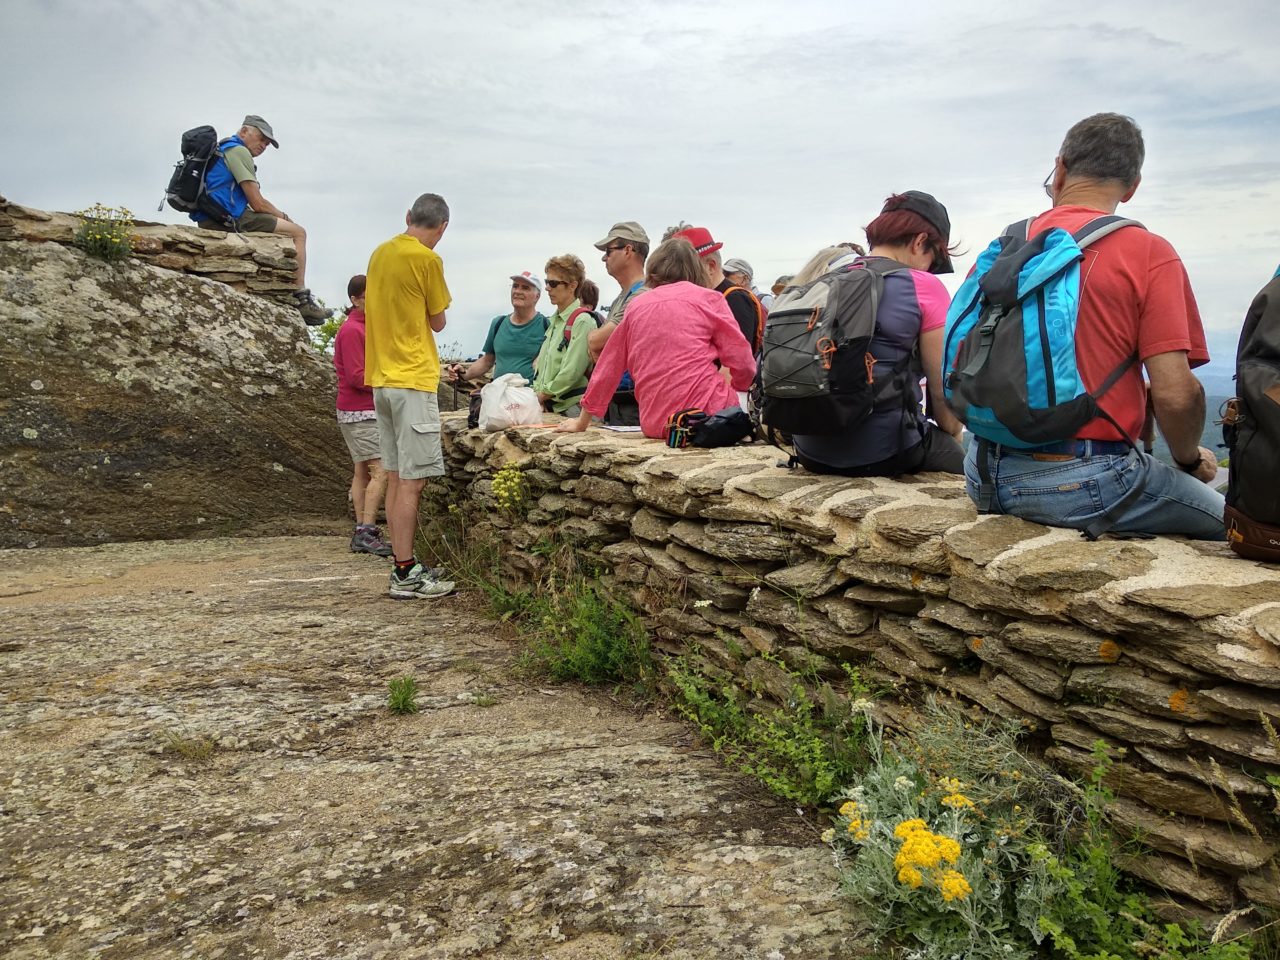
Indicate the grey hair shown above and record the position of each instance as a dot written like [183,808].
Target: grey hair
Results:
[1105,146]
[429,211]
[672,231]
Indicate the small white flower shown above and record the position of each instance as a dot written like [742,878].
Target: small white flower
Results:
[902,783]
[828,835]
[700,604]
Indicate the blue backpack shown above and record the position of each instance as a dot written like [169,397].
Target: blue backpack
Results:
[1009,353]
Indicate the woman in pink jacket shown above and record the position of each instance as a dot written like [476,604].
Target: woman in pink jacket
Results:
[675,333]
[359,426]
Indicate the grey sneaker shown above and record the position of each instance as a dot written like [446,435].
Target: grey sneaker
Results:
[370,541]
[418,585]
[312,313]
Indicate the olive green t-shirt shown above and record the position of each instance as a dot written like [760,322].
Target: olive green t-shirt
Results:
[240,163]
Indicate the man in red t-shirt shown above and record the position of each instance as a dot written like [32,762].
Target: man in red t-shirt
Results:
[1135,299]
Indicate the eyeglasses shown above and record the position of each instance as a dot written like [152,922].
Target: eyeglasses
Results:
[552,284]
[609,250]
[1048,183]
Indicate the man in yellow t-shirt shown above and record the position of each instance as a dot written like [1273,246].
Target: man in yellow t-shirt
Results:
[405,301]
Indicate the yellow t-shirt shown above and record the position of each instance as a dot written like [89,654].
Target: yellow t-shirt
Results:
[405,287]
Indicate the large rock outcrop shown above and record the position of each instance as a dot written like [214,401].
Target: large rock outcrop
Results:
[1166,648]
[138,401]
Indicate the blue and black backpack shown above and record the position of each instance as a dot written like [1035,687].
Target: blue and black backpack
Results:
[1009,349]
[1009,353]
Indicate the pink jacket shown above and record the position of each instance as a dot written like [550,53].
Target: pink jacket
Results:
[348,362]
[670,339]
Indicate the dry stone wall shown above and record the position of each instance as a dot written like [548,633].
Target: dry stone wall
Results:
[257,263]
[1167,648]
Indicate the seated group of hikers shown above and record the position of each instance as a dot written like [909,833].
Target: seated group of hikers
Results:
[684,338]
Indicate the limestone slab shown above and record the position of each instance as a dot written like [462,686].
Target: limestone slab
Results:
[1060,642]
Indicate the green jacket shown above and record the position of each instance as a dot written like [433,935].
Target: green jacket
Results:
[562,368]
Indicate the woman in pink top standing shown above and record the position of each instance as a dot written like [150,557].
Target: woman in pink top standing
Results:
[359,426]
[675,333]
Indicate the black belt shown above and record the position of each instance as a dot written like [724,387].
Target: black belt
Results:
[1069,448]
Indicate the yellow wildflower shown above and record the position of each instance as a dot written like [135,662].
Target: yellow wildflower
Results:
[908,827]
[957,801]
[849,809]
[953,886]
[951,784]
[828,835]
[911,877]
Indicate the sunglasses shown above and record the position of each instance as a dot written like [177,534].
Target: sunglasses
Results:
[552,284]
[609,250]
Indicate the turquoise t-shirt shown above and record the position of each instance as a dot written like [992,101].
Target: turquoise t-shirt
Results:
[514,345]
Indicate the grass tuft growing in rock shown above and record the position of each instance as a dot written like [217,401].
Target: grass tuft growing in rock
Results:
[402,695]
[193,749]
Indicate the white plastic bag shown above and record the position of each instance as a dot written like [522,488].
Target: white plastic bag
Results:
[508,401]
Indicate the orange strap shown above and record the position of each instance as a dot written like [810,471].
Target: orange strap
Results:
[758,343]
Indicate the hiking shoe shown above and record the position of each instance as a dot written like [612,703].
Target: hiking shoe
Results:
[418,585]
[312,313]
[368,540]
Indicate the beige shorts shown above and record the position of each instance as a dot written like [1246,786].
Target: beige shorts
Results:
[409,430]
[362,440]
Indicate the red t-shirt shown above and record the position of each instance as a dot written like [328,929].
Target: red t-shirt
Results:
[1135,297]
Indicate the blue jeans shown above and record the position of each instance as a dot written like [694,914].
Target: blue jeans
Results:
[1070,493]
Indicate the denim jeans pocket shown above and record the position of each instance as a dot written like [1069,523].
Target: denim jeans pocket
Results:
[1052,496]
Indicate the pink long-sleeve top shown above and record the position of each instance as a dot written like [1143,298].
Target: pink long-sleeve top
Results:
[348,363]
[670,342]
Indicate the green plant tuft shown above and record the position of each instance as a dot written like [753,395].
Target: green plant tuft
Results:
[804,751]
[402,695]
[198,749]
[105,232]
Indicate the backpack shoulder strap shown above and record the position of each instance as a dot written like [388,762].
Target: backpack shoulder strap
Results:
[568,324]
[1021,230]
[758,340]
[1100,227]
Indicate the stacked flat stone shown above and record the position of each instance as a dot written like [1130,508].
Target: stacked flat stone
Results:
[1167,648]
[257,263]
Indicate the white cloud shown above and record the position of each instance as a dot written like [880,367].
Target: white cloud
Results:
[782,128]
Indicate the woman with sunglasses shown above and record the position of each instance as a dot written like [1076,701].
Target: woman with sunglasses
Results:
[676,332]
[564,358]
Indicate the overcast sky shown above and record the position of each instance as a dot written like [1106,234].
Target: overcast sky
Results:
[781,127]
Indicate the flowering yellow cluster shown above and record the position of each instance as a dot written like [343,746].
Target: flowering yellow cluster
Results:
[922,854]
[106,231]
[508,487]
[957,801]
[859,826]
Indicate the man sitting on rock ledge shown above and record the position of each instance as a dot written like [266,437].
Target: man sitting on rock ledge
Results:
[232,183]
[1135,301]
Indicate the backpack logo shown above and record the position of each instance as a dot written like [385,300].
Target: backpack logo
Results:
[817,374]
[1009,354]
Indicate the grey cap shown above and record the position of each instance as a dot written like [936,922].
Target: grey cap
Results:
[738,265]
[253,120]
[627,230]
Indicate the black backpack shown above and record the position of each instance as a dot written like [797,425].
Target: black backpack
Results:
[1251,429]
[817,374]
[186,191]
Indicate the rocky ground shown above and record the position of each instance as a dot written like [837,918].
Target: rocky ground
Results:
[196,761]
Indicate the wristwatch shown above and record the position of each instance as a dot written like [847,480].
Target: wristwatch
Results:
[1191,467]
